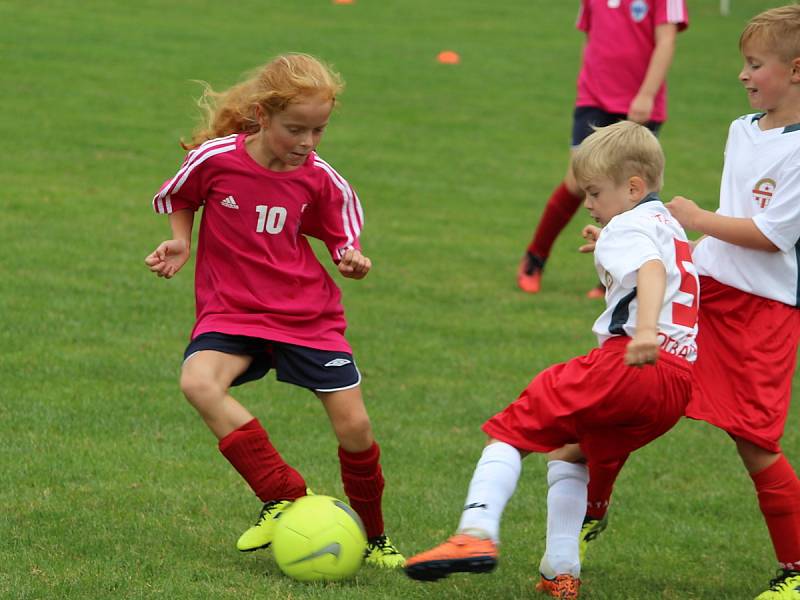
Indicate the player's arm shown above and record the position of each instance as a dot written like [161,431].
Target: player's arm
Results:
[170,255]
[734,230]
[660,61]
[651,283]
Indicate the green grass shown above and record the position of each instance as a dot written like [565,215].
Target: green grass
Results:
[112,487]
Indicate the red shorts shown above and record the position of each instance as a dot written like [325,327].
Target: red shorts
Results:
[596,400]
[747,351]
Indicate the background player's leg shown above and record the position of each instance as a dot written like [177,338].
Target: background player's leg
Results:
[562,205]
[559,210]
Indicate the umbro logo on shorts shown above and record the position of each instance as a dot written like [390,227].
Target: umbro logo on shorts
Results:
[337,362]
[229,202]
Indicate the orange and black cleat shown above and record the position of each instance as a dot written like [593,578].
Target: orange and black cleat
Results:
[529,273]
[563,587]
[462,553]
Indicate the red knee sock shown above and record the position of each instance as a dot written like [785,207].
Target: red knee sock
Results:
[779,498]
[560,208]
[250,452]
[363,484]
[601,483]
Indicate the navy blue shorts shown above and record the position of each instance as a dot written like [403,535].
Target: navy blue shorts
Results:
[317,370]
[586,117]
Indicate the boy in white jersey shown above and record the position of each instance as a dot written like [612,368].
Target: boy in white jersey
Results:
[620,396]
[748,262]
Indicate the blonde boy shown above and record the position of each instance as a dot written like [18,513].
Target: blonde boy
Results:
[606,404]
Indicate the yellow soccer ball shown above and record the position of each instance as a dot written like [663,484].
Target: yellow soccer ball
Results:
[319,538]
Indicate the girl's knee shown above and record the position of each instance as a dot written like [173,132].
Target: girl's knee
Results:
[199,389]
[356,430]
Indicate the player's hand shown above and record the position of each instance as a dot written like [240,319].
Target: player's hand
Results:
[642,349]
[168,258]
[685,211]
[640,109]
[354,264]
[590,233]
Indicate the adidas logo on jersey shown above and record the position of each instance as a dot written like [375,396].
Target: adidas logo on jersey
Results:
[337,362]
[229,202]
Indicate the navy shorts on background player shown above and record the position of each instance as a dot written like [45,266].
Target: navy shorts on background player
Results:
[585,118]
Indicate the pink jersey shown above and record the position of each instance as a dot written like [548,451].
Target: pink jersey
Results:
[256,272]
[620,38]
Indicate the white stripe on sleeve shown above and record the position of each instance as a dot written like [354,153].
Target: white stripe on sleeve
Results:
[675,12]
[352,216]
[193,159]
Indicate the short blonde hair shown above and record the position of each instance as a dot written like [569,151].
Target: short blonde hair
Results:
[778,29]
[620,151]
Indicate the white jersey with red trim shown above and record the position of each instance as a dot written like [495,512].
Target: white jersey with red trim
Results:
[256,273]
[644,233]
[760,181]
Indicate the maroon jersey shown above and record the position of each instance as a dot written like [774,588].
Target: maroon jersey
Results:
[256,273]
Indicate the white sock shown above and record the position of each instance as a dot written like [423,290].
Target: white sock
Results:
[493,483]
[566,508]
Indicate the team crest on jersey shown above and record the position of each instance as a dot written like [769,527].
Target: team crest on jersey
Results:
[639,10]
[763,191]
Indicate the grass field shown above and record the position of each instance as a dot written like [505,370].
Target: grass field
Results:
[111,485]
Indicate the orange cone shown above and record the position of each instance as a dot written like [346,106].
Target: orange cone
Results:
[448,57]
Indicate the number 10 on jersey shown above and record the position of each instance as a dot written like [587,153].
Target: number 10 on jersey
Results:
[270,220]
